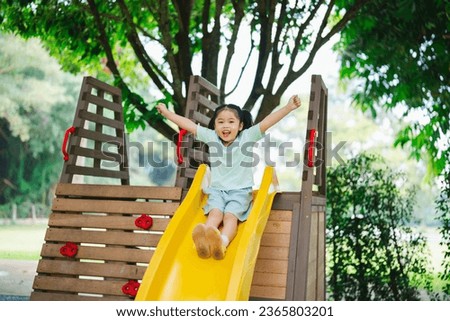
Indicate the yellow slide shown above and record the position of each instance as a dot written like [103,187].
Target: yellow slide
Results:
[176,272]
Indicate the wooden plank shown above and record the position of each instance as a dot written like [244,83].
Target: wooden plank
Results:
[109,253]
[205,84]
[272,239]
[285,200]
[102,102]
[278,227]
[113,206]
[58,296]
[312,260]
[321,248]
[102,85]
[265,292]
[102,237]
[117,191]
[273,253]
[75,285]
[204,101]
[280,215]
[293,248]
[271,266]
[89,134]
[269,279]
[87,171]
[110,270]
[98,119]
[199,118]
[96,154]
[103,221]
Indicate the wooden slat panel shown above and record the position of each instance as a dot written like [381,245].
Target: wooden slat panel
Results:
[100,137]
[96,154]
[84,114]
[118,207]
[198,155]
[271,266]
[117,191]
[265,292]
[78,170]
[75,285]
[111,270]
[119,254]
[102,102]
[58,296]
[100,237]
[107,222]
[102,85]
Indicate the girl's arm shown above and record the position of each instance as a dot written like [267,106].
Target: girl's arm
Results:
[273,118]
[181,121]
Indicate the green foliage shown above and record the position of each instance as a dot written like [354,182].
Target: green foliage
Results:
[38,102]
[400,52]
[373,252]
[443,209]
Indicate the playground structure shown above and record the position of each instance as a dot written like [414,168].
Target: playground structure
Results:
[101,238]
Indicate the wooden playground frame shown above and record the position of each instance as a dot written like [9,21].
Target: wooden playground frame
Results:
[101,219]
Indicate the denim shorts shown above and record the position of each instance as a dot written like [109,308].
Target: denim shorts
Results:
[237,201]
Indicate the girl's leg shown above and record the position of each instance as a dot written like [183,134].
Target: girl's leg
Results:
[215,218]
[217,242]
[230,223]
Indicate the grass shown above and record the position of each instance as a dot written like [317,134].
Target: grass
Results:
[21,242]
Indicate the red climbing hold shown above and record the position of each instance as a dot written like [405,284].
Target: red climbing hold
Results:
[69,250]
[144,221]
[131,288]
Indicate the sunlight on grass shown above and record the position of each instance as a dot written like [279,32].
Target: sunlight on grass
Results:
[21,242]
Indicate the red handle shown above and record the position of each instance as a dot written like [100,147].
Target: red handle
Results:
[180,140]
[70,130]
[312,138]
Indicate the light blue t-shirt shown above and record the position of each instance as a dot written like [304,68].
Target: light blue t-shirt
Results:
[231,166]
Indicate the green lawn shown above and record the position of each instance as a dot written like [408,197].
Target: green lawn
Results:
[21,242]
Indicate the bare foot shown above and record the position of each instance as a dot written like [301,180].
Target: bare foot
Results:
[200,241]
[215,243]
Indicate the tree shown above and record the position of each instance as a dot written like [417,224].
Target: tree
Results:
[165,38]
[400,51]
[38,102]
[373,252]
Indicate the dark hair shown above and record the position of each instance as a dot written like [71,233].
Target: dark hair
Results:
[243,115]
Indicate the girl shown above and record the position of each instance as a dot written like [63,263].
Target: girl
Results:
[228,136]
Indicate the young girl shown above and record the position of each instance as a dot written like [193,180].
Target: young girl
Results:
[229,136]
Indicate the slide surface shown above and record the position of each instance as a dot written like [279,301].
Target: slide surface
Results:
[176,272]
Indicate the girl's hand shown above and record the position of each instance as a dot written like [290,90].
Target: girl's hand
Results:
[162,109]
[294,102]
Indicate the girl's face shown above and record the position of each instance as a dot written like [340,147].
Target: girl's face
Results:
[227,126]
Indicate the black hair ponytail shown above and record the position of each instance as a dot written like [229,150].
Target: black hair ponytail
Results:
[247,119]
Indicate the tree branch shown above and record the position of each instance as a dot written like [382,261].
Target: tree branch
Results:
[162,127]
[239,15]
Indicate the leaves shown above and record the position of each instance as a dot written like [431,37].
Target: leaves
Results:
[373,254]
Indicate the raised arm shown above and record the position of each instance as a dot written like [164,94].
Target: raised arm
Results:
[270,120]
[181,121]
